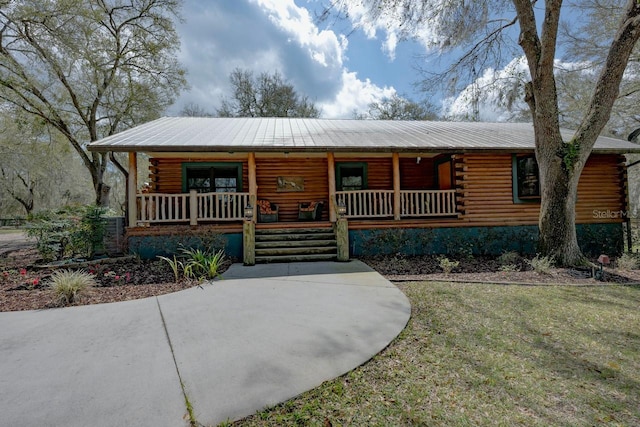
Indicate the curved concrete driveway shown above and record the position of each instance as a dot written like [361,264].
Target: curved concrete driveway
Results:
[261,336]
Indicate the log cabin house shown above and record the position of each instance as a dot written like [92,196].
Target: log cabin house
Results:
[284,188]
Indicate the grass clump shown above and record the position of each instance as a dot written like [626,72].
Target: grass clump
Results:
[542,264]
[447,265]
[68,285]
[627,262]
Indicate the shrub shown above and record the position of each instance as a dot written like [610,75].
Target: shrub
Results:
[67,232]
[447,265]
[68,285]
[509,258]
[92,228]
[627,262]
[542,264]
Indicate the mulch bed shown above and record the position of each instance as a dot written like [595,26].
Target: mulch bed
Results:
[488,270]
[24,280]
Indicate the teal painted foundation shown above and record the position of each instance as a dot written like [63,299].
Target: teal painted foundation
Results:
[149,247]
[594,239]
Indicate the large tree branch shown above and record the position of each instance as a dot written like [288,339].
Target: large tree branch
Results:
[528,40]
[608,83]
[55,66]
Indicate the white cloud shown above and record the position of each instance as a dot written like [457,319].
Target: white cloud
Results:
[323,46]
[355,95]
[389,23]
[267,36]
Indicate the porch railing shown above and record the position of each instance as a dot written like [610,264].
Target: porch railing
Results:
[413,203]
[190,207]
[193,207]
[222,206]
[156,207]
[367,203]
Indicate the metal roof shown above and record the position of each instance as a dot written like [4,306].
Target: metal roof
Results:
[200,134]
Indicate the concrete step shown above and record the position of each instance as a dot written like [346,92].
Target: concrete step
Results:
[294,243]
[314,250]
[295,258]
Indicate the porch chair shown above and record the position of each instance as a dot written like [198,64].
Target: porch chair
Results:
[310,211]
[267,211]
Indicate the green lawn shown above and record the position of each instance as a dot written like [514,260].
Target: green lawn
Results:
[492,355]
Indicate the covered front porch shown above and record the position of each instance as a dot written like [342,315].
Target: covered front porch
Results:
[327,182]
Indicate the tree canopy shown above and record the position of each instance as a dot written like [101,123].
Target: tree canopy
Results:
[90,68]
[267,95]
[399,108]
[38,170]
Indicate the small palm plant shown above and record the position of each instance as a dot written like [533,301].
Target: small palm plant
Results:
[196,264]
[68,285]
[202,264]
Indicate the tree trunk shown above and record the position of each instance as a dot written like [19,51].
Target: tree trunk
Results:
[98,166]
[102,195]
[558,237]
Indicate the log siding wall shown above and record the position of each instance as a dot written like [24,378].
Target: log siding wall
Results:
[483,182]
[486,190]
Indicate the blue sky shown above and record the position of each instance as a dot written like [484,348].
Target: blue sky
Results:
[341,70]
[339,73]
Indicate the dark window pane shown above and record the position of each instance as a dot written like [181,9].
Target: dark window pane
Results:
[350,183]
[352,178]
[528,178]
[210,179]
[199,179]
[226,185]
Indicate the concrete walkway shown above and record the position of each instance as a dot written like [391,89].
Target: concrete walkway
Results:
[262,335]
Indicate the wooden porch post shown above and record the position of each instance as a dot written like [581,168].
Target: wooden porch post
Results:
[331,163]
[249,226]
[193,207]
[342,239]
[132,190]
[396,186]
[249,242]
[253,183]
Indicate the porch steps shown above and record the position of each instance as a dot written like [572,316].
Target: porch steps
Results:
[292,245]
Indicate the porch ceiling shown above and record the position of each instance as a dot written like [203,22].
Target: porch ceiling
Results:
[196,134]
